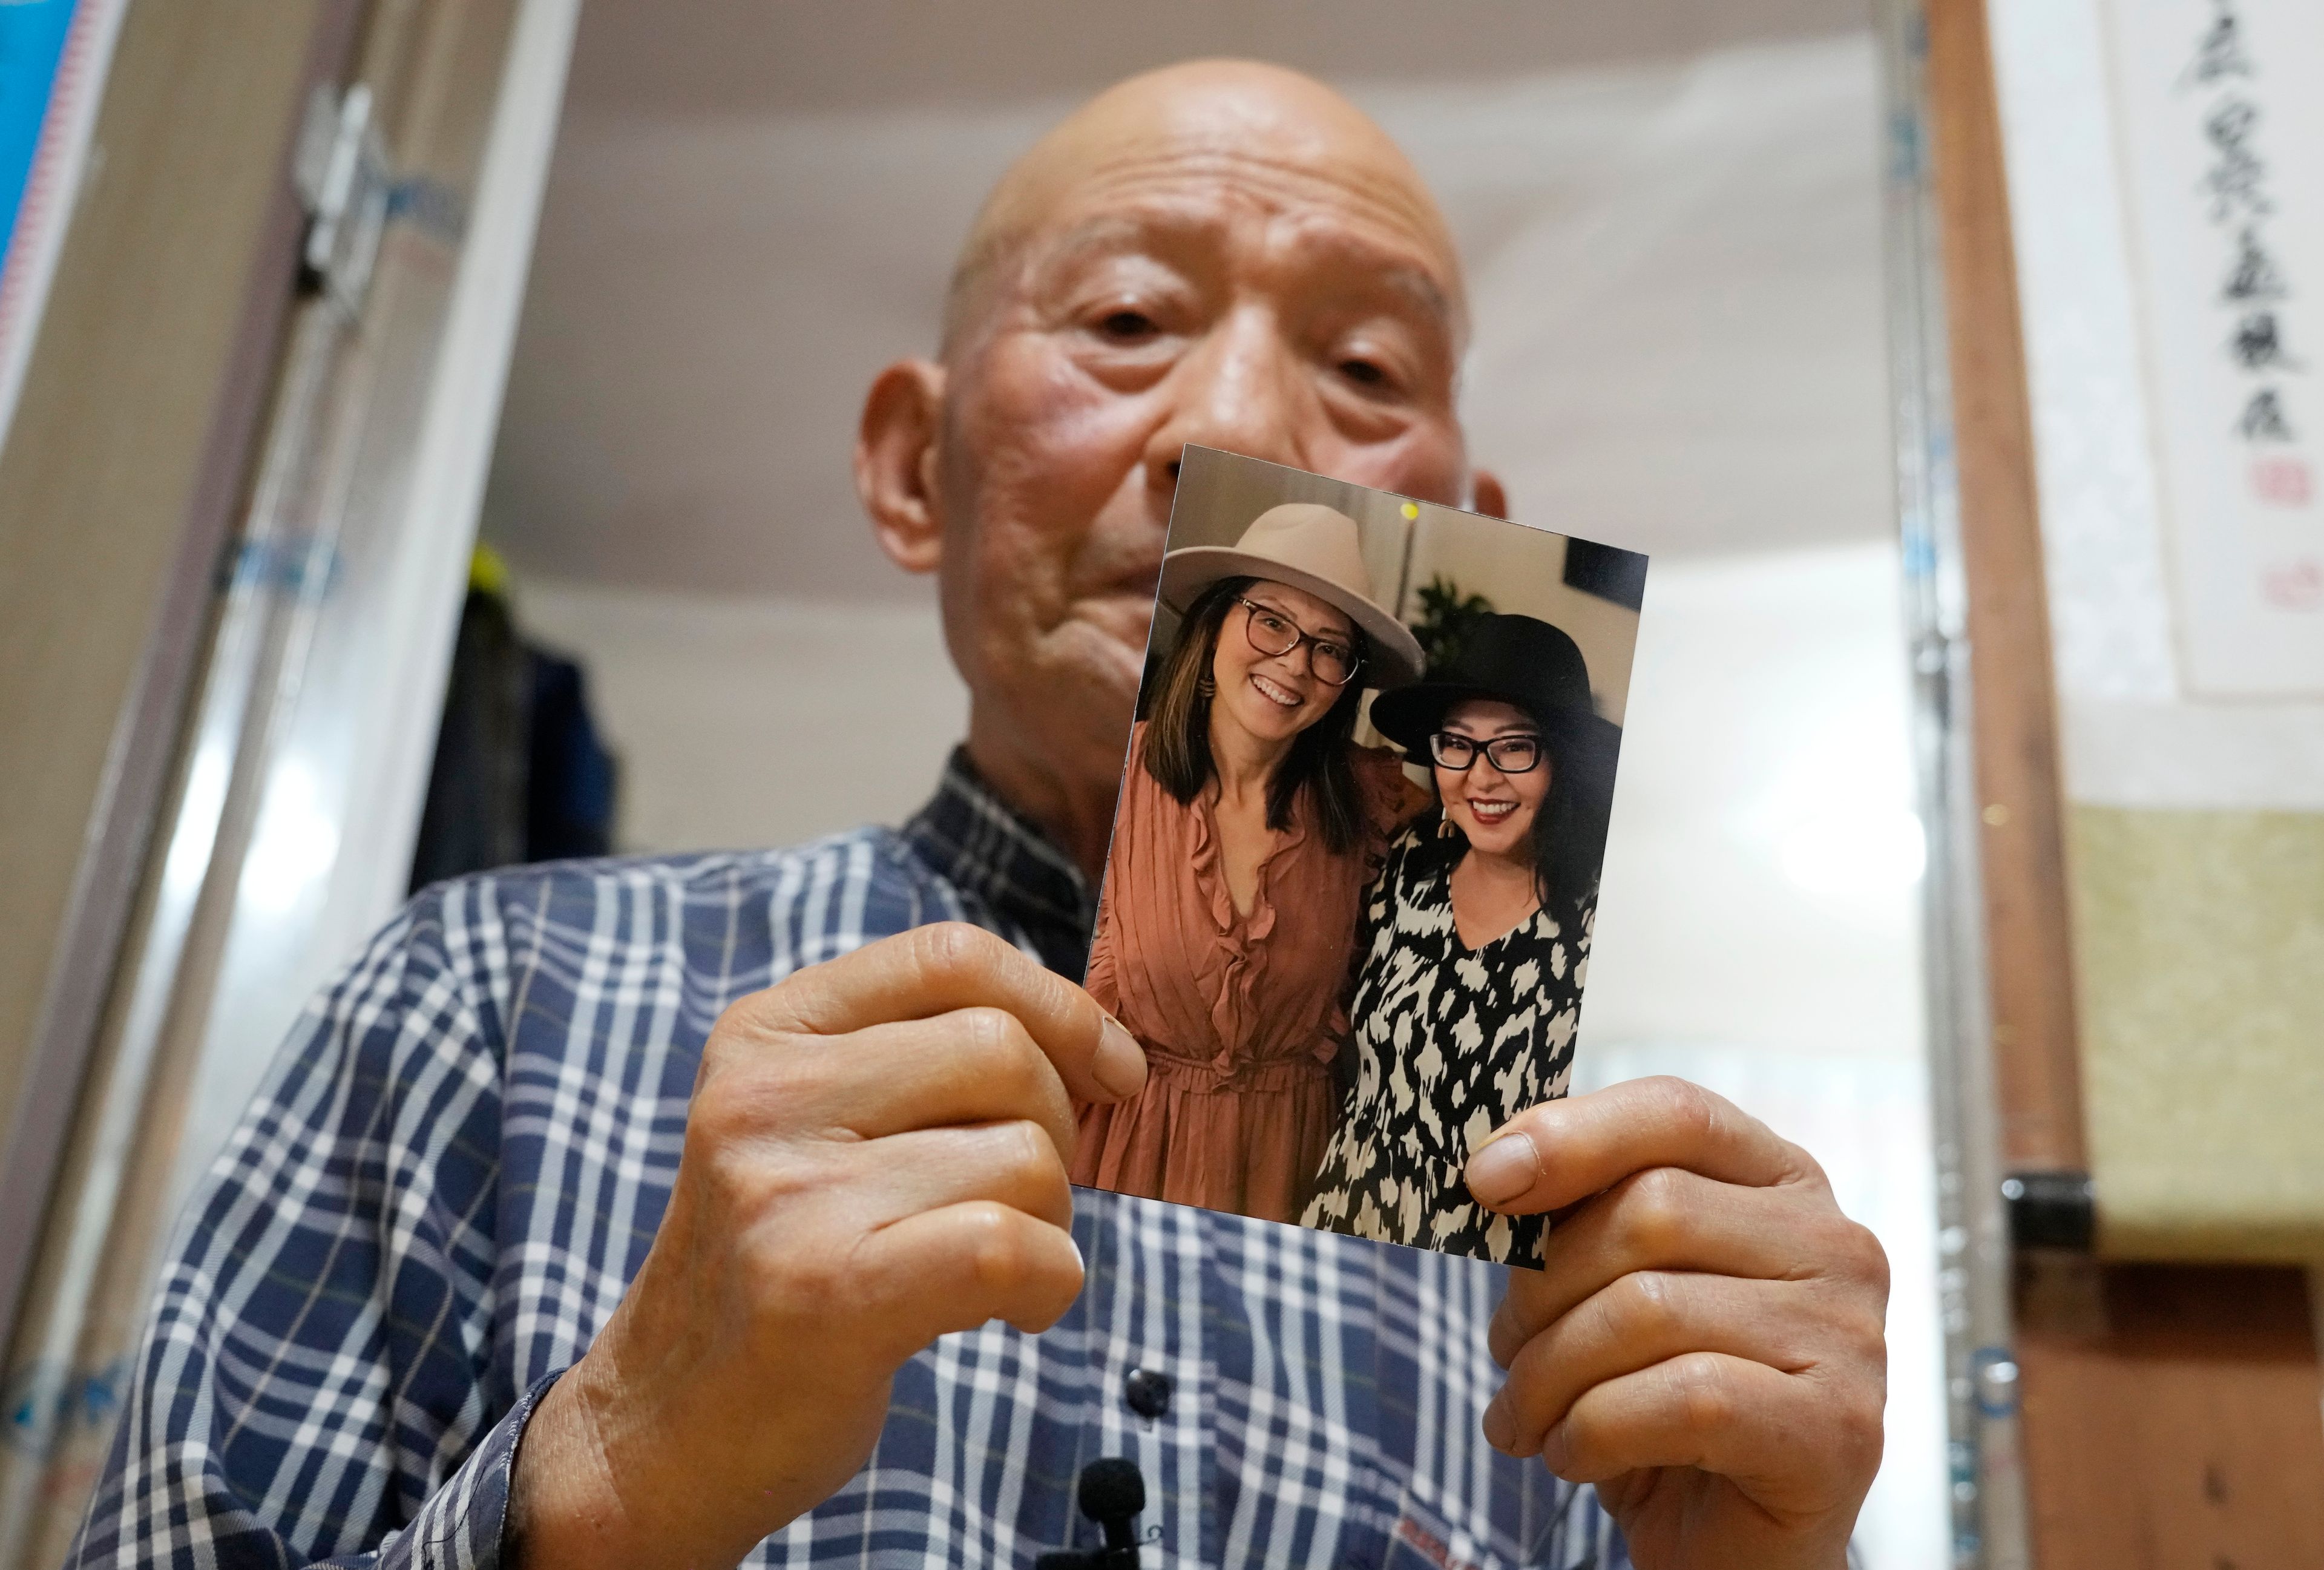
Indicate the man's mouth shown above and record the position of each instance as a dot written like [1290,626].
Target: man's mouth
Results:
[1275,692]
[1491,812]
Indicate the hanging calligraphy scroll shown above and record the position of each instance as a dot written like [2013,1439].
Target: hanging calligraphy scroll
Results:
[2222,127]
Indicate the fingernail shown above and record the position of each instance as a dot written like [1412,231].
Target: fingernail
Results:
[1501,1428]
[1080,1263]
[1505,1169]
[1555,1454]
[1120,1065]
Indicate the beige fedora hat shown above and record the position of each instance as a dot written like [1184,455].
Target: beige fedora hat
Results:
[1309,547]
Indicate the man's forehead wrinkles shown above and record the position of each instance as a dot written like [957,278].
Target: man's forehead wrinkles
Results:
[1286,182]
[1389,252]
[1150,202]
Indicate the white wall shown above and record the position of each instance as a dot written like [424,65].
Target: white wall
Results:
[1760,873]
[756,721]
[1522,571]
[1757,931]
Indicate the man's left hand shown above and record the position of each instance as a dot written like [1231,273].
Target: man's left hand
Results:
[1706,1340]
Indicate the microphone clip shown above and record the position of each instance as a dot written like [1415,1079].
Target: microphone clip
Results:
[1111,1492]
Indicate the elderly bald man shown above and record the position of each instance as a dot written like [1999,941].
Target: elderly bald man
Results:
[705,1209]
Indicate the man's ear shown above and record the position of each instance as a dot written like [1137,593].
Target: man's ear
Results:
[895,462]
[1486,496]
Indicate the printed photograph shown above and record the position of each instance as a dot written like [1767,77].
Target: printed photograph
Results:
[1348,899]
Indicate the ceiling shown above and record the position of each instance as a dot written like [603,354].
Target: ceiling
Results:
[655,59]
[1671,212]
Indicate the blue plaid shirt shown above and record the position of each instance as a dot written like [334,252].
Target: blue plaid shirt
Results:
[457,1164]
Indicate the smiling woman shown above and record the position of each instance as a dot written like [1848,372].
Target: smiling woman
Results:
[1475,942]
[1247,776]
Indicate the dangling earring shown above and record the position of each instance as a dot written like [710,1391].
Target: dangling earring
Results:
[1206,689]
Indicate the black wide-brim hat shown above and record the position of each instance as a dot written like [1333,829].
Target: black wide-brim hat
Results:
[1519,660]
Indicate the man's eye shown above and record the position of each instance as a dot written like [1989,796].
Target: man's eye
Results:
[1127,326]
[1364,373]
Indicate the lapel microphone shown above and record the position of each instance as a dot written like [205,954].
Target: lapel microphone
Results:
[1111,1492]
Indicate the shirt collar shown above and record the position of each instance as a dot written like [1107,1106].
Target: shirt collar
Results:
[986,848]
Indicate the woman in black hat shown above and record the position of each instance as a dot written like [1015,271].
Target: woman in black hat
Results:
[1475,940]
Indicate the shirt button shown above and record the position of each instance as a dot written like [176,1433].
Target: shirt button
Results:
[1147,1393]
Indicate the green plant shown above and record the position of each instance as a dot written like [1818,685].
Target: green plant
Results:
[1446,616]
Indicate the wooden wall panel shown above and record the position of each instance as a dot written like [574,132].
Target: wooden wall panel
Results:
[2172,1415]
[2029,957]
[2172,1419]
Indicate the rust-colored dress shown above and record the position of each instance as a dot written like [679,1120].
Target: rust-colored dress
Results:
[1240,1014]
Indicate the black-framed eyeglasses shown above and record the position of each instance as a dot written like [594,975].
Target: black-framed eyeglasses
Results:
[1517,754]
[1271,631]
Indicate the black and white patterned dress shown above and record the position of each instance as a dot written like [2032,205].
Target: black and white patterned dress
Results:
[1449,1044]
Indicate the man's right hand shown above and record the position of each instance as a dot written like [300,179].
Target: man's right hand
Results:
[875,1155]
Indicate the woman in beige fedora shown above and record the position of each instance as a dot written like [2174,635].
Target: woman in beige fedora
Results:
[1249,824]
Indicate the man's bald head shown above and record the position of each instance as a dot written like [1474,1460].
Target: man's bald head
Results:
[1261,127]
[1220,254]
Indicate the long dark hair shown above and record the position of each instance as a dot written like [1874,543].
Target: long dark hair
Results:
[1178,731]
[1569,828]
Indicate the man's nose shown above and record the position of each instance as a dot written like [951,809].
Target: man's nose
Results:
[1238,390]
